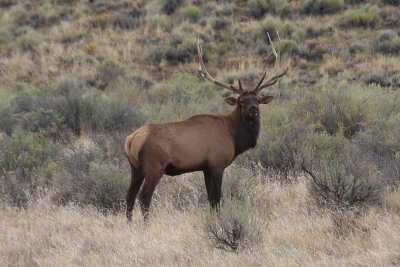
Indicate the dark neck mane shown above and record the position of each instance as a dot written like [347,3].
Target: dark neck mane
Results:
[244,131]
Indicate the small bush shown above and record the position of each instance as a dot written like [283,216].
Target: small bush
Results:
[108,72]
[281,141]
[219,24]
[236,227]
[29,156]
[332,109]
[170,6]
[90,176]
[387,42]
[191,13]
[30,40]
[367,16]
[258,8]
[322,7]
[342,176]
[314,50]
[5,36]
[124,21]
[379,77]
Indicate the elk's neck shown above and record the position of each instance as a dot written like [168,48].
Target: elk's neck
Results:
[244,130]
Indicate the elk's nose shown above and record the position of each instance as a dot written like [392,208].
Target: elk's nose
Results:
[253,109]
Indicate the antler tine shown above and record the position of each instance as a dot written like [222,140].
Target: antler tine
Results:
[204,73]
[272,80]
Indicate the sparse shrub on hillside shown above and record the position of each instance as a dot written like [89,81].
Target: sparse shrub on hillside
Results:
[7,121]
[392,2]
[27,160]
[91,176]
[382,141]
[100,113]
[190,12]
[332,109]
[5,36]
[12,190]
[379,77]
[286,29]
[236,227]
[367,16]
[341,175]
[388,42]
[313,50]
[101,20]
[30,40]
[322,7]
[219,24]
[124,21]
[108,72]
[258,8]
[181,51]
[281,140]
[170,6]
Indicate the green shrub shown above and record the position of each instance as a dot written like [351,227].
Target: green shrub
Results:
[367,16]
[313,50]
[99,113]
[5,36]
[332,109]
[190,12]
[379,77]
[281,140]
[169,6]
[342,176]
[387,42]
[12,190]
[258,8]
[322,7]
[30,40]
[270,25]
[236,227]
[107,72]
[91,176]
[30,156]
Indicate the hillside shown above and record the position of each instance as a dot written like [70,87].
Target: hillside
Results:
[320,188]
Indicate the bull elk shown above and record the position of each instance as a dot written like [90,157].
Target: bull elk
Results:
[206,142]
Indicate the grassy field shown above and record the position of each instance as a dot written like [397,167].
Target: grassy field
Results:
[294,232]
[320,188]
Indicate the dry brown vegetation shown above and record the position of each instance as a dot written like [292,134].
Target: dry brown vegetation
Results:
[320,188]
[296,232]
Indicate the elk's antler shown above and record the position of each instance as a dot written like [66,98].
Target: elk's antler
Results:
[204,73]
[274,78]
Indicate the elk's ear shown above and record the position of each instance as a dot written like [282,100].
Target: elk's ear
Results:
[265,99]
[231,101]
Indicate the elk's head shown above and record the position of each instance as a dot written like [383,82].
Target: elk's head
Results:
[248,101]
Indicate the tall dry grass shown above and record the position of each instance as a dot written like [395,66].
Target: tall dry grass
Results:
[296,232]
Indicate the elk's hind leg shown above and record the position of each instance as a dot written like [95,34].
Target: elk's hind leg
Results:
[136,181]
[213,181]
[147,191]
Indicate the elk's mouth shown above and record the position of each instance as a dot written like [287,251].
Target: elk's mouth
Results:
[253,114]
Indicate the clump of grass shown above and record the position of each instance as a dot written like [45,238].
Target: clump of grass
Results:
[170,6]
[190,12]
[367,16]
[258,8]
[30,40]
[387,42]
[322,7]
[236,227]
[379,77]
[5,36]
[342,176]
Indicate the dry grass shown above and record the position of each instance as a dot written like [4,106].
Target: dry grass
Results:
[297,233]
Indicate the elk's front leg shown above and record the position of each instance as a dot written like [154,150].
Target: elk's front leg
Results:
[213,181]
